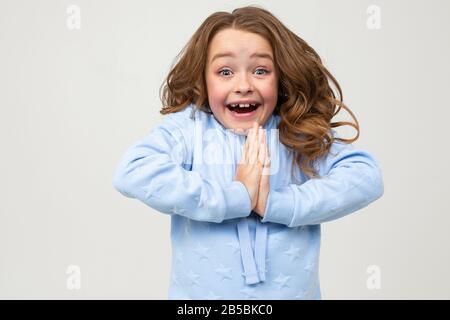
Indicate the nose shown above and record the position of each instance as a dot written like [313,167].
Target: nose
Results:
[243,84]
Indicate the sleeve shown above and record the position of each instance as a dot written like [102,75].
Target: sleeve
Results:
[350,180]
[156,171]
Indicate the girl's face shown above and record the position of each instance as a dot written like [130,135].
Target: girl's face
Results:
[240,70]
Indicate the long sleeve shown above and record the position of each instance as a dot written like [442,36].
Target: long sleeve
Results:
[350,180]
[156,170]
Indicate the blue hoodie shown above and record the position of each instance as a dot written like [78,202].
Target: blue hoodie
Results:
[221,249]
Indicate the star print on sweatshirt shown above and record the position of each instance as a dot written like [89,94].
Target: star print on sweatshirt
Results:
[221,249]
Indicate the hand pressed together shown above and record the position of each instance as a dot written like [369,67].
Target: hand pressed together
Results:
[254,167]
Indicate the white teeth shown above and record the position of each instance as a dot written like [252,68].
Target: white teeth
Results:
[242,105]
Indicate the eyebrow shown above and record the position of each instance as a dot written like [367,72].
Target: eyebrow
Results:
[230,54]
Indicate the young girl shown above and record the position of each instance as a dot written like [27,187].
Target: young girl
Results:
[246,163]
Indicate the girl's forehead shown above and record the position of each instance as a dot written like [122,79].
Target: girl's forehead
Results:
[231,37]
[230,48]
[258,54]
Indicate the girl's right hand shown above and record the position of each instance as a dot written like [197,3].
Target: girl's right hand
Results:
[249,168]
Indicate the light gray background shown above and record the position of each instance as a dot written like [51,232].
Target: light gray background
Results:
[72,101]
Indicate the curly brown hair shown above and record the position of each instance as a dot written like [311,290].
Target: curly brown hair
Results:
[306,102]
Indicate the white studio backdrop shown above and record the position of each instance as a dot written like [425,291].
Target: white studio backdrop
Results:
[80,83]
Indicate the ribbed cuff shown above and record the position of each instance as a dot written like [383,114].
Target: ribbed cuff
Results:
[237,201]
[280,206]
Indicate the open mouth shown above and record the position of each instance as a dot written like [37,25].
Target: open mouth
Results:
[243,108]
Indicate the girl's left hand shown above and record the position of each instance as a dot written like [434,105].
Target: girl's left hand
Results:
[264,158]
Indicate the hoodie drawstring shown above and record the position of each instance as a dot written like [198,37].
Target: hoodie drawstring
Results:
[261,246]
[254,264]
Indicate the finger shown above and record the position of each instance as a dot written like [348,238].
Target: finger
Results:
[266,165]
[256,143]
[253,147]
[266,145]
[244,157]
[267,160]
[261,135]
[262,154]
[259,141]
[248,143]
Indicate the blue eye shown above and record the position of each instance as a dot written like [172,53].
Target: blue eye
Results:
[263,70]
[226,70]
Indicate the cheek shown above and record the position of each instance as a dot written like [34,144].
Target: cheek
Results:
[214,90]
[270,89]
[270,94]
